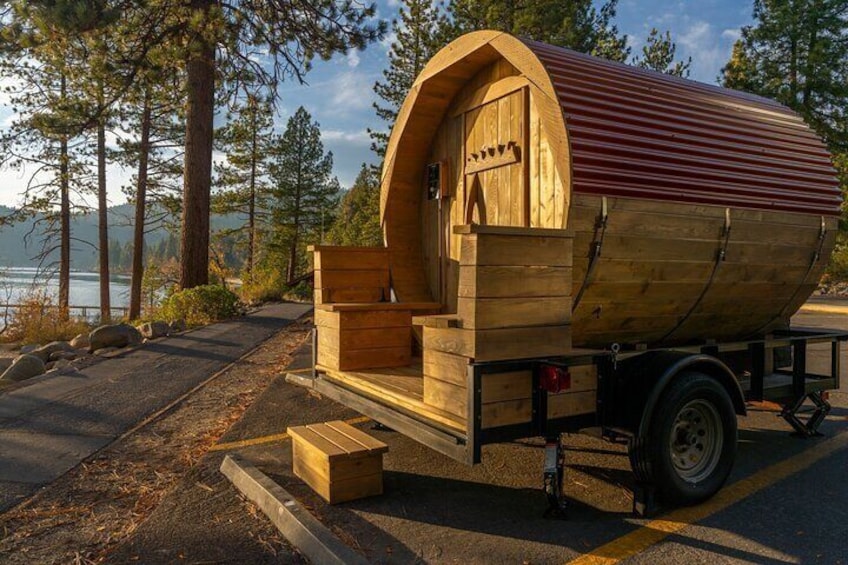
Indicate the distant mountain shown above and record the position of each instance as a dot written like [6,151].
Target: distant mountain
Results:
[21,243]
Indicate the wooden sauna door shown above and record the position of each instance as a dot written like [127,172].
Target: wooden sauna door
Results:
[495,171]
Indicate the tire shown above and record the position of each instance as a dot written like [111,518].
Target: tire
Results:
[690,446]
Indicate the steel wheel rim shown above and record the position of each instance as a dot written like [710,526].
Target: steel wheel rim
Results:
[696,441]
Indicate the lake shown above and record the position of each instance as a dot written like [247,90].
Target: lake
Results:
[17,282]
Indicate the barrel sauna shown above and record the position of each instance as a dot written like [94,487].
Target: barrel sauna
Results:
[697,213]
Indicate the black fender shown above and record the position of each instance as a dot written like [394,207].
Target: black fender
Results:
[641,381]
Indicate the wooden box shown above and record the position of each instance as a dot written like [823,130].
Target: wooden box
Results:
[378,337]
[338,461]
[350,274]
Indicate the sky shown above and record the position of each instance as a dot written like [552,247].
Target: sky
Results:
[339,93]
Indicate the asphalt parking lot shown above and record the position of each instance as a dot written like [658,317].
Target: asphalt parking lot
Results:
[785,502]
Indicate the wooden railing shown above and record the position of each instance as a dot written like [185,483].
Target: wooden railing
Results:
[83,310]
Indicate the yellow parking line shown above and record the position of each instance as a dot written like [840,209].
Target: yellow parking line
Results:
[656,530]
[824,309]
[271,438]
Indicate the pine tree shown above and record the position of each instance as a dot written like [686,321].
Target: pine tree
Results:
[797,53]
[358,220]
[243,180]
[288,34]
[658,55]
[41,58]
[576,24]
[420,32]
[304,193]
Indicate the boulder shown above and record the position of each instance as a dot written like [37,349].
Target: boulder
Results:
[5,363]
[23,367]
[27,349]
[106,351]
[114,335]
[80,342]
[45,351]
[63,355]
[152,330]
[59,364]
[178,326]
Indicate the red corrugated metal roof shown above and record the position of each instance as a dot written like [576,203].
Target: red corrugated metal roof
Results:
[643,134]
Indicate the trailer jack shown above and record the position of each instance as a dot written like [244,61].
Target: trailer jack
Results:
[811,426]
[554,479]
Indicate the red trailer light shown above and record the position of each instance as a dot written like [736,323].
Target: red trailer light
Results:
[554,379]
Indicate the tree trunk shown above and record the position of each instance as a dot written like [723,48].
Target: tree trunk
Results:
[64,230]
[292,267]
[140,206]
[251,204]
[64,223]
[102,220]
[200,70]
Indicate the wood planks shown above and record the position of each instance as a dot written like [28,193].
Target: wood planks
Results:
[657,279]
[514,278]
[338,461]
[514,303]
[350,274]
[361,339]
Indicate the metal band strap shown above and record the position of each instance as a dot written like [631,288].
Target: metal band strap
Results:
[594,251]
[721,255]
[815,259]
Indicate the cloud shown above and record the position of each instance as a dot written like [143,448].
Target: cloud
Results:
[388,39]
[709,49]
[349,137]
[351,91]
[7,83]
[352,58]
[732,34]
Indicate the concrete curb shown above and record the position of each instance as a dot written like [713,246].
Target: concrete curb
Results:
[309,536]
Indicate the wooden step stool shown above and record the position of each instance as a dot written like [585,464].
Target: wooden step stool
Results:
[338,461]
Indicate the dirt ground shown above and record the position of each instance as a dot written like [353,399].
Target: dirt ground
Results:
[158,477]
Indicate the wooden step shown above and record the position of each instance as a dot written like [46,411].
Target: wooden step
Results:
[338,461]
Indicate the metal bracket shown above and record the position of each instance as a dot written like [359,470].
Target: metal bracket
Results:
[554,477]
[644,500]
[811,426]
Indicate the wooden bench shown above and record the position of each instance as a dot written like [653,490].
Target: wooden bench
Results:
[366,336]
[338,461]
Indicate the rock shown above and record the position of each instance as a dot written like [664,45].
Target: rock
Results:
[178,326]
[63,355]
[106,351]
[61,364]
[45,351]
[80,342]
[117,335]
[23,367]
[5,363]
[152,330]
[27,349]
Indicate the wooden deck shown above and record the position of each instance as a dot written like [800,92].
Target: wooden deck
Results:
[401,387]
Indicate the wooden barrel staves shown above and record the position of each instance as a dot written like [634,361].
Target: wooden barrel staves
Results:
[697,212]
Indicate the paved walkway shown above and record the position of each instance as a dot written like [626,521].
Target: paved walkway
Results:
[49,426]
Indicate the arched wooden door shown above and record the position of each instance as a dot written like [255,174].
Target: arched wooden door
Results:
[481,152]
[495,164]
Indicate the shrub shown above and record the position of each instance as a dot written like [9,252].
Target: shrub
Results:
[200,305]
[301,292]
[39,320]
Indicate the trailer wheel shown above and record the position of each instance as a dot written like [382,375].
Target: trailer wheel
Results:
[691,444]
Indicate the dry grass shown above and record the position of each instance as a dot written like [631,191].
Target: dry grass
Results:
[39,320]
[97,506]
